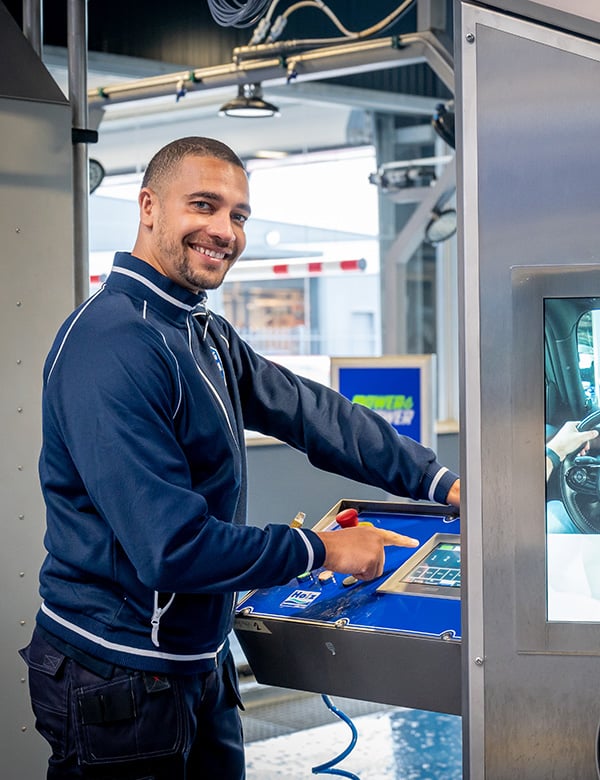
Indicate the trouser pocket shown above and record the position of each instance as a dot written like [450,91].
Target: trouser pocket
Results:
[130,717]
[49,692]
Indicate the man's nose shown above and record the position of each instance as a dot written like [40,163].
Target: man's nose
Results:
[221,227]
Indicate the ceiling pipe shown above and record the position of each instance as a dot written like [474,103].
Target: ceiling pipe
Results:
[328,61]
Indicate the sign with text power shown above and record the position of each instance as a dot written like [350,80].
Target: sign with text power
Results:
[400,388]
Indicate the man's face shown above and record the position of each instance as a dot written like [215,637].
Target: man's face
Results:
[196,221]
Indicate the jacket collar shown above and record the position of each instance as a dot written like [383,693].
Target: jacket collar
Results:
[140,280]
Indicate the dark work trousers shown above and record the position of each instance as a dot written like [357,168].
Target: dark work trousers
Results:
[134,725]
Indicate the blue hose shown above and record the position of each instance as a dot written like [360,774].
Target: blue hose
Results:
[327,767]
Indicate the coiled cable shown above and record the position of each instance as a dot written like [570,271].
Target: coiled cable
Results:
[327,767]
[237,13]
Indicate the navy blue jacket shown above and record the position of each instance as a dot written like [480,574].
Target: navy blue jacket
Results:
[143,470]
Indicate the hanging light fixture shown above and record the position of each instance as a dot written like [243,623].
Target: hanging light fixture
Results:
[441,226]
[249,104]
[96,174]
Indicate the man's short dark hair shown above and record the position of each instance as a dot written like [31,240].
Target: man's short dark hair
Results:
[166,159]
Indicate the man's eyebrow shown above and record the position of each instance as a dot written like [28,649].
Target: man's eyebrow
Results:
[215,196]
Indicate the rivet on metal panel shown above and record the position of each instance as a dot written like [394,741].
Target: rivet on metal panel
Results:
[19,468]
[23,728]
[21,574]
[19,409]
[19,303]
[19,361]
[22,622]
[23,679]
[470,38]
[21,517]
[17,230]
[479,661]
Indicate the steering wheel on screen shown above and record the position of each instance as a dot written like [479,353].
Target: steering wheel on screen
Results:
[580,483]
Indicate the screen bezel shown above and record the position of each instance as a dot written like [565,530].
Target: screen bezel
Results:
[398,584]
[531,287]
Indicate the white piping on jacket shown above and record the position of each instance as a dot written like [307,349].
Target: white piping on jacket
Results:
[125,648]
[170,351]
[165,296]
[212,388]
[70,328]
[311,552]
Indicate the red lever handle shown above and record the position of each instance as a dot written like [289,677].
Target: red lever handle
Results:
[347,518]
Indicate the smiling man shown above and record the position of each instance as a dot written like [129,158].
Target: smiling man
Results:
[193,236]
[143,469]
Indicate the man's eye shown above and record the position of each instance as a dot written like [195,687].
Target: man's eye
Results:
[201,204]
[241,218]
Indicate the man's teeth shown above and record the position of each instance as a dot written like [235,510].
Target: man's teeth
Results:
[209,252]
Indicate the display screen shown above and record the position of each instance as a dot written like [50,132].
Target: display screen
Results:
[572,462]
[440,567]
[433,570]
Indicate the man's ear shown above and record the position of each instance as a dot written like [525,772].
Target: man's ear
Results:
[147,200]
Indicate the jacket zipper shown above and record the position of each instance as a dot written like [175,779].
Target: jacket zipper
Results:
[157,614]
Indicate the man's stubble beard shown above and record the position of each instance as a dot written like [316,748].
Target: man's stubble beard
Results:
[195,280]
[198,280]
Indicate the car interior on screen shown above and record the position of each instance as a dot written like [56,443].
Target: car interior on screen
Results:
[572,341]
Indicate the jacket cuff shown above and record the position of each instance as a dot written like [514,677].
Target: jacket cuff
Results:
[438,482]
[318,549]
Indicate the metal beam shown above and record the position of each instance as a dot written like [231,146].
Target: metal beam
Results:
[367,99]
[410,237]
[399,253]
[432,15]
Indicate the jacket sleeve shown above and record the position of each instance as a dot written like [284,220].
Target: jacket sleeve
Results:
[336,435]
[118,486]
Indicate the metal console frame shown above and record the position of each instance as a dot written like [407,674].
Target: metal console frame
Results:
[367,664]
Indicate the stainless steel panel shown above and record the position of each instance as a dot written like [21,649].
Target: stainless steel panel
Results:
[35,294]
[578,16]
[529,194]
[376,666]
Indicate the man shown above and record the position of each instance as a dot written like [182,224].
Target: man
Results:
[146,397]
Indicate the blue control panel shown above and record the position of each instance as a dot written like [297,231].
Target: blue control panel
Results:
[329,598]
[395,639]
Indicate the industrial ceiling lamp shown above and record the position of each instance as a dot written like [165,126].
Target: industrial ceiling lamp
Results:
[96,174]
[249,104]
[441,226]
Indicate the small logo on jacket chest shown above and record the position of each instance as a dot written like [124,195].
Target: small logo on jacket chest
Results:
[218,361]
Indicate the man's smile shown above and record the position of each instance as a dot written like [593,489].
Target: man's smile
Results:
[213,253]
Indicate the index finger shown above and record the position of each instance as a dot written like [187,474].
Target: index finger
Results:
[391,538]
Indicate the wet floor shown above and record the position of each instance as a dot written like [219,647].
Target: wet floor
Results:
[391,744]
